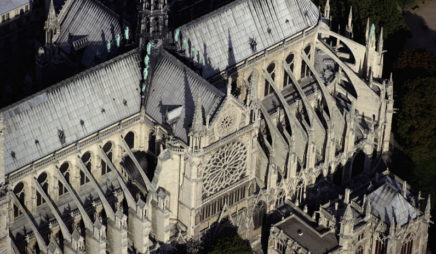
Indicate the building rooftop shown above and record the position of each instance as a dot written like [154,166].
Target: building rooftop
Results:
[243,28]
[9,5]
[317,242]
[71,110]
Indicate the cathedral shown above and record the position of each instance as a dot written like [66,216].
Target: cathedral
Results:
[254,115]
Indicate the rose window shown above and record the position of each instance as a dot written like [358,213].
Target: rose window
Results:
[224,168]
[226,122]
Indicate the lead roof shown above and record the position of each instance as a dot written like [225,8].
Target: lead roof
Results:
[77,107]
[92,19]
[222,38]
[175,86]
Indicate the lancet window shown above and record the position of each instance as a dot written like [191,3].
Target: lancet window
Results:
[65,170]
[86,159]
[43,181]
[290,63]
[271,71]
[407,246]
[107,149]
[130,140]
[19,192]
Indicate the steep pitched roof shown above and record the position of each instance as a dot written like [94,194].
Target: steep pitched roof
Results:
[76,107]
[90,19]
[173,92]
[387,203]
[222,38]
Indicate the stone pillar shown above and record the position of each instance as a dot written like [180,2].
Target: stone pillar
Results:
[139,228]
[117,233]
[5,241]
[96,240]
[161,217]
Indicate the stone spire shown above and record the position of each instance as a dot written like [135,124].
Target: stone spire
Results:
[349,28]
[2,151]
[52,26]
[371,41]
[327,10]
[367,30]
[380,42]
[197,121]
[427,213]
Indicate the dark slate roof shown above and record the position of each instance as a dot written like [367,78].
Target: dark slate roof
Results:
[310,239]
[92,19]
[231,27]
[65,106]
[9,5]
[175,89]
[387,203]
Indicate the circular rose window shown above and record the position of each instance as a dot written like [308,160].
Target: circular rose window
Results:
[224,168]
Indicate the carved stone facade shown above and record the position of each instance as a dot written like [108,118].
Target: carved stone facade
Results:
[160,155]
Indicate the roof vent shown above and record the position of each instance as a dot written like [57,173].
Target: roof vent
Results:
[103,110]
[299,232]
[13,154]
[36,142]
[125,102]
[287,21]
[82,122]
[269,30]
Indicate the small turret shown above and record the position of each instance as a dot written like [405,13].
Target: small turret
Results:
[367,30]
[52,26]
[197,128]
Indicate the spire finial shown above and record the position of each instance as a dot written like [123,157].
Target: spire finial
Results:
[327,10]
[197,121]
[367,30]
[349,28]
[348,215]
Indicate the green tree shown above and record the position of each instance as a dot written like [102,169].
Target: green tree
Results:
[230,244]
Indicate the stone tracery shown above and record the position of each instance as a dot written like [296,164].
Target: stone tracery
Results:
[224,168]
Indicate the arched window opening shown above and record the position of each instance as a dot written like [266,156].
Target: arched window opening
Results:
[359,250]
[259,214]
[236,91]
[380,246]
[152,143]
[65,170]
[290,63]
[19,192]
[407,246]
[358,164]
[107,149]
[86,159]
[271,71]
[280,199]
[337,176]
[130,140]
[43,181]
[305,71]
